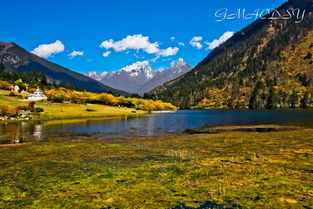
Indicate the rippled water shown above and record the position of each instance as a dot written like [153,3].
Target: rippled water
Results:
[147,125]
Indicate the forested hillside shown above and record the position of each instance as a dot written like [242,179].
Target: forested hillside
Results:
[266,65]
[14,58]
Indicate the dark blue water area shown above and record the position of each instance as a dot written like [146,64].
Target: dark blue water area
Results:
[179,121]
[152,124]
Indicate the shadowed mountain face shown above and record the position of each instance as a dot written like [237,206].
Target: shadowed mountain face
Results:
[252,57]
[129,78]
[176,69]
[139,77]
[17,59]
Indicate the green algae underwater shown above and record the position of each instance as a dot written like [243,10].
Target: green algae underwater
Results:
[220,170]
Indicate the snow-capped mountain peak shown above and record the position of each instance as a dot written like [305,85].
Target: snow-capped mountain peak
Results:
[179,63]
[107,74]
[139,76]
[95,75]
[176,69]
[136,66]
[99,76]
[141,70]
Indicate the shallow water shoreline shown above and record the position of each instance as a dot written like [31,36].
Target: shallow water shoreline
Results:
[231,169]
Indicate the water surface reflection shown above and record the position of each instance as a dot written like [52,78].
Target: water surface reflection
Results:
[147,125]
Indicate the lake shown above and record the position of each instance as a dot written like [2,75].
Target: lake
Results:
[148,125]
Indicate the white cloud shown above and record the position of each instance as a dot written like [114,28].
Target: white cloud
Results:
[139,42]
[75,53]
[135,65]
[196,42]
[47,50]
[181,44]
[131,42]
[222,39]
[170,51]
[106,54]
[172,38]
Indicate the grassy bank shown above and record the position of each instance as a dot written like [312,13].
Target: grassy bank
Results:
[67,110]
[235,169]
[6,100]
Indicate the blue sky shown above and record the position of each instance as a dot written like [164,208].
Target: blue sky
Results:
[82,26]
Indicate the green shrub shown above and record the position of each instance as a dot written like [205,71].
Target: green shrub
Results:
[31,106]
[39,109]
[58,98]
[12,94]
[22,108]
[90,110]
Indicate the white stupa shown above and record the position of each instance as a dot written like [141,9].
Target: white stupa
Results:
[37,95]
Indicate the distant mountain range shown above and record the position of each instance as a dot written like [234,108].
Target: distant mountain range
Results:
[268,64]
[17,59]
[139,77]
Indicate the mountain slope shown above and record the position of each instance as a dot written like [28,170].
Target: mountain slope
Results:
[130,78]
[244,71]
[18,59]
[176,69]
[139,77]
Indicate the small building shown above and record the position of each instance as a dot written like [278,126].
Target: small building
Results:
[37,95]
